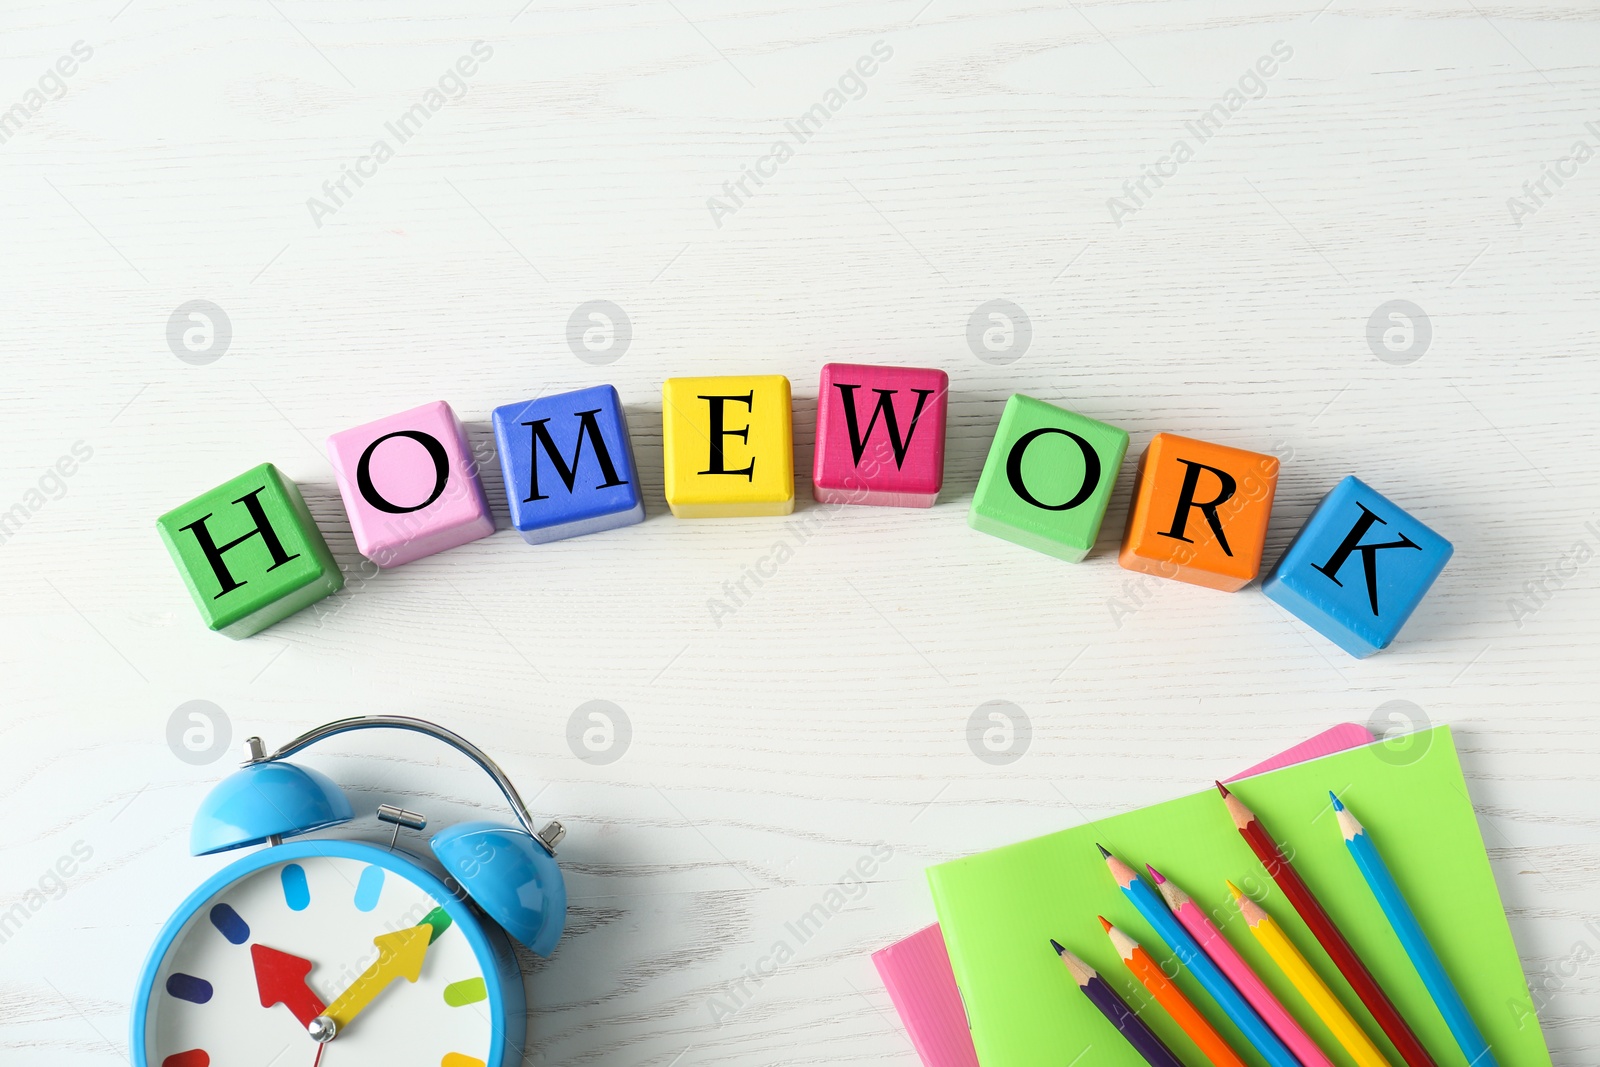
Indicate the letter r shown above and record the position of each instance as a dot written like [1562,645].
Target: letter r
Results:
[1186,501]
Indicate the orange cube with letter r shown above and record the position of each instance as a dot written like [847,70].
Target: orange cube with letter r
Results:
[1199,512]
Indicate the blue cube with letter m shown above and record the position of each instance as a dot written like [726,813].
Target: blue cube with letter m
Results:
[1358,568]
[568,465]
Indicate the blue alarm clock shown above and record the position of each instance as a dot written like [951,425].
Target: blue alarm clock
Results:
[301,948]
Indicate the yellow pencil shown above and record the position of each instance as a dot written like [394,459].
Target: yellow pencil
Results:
[1308,982]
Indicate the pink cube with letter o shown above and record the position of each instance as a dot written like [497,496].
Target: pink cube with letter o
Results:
[410,485]
[880,435]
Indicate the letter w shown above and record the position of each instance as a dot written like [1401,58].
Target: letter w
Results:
[569,474]
[858,440]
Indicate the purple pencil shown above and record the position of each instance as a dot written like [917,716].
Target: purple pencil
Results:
[1114,1008]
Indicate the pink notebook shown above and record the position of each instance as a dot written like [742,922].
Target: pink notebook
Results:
[917,973]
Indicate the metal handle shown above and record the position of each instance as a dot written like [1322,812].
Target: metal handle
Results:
[547,837]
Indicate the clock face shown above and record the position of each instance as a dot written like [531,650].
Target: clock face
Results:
[324,936]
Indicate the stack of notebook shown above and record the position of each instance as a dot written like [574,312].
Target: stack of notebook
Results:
[985,986]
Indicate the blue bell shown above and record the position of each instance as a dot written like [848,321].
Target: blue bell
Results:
[510,876]
[265,800]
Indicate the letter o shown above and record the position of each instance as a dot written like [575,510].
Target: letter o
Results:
[441,472]
[1091,469]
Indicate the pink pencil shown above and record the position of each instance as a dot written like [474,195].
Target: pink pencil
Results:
[1203,930]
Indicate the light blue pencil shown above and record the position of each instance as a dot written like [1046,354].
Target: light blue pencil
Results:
[1192,956]
[1415,942]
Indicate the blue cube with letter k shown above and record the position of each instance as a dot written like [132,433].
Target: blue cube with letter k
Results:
[568,465]
[1358,568]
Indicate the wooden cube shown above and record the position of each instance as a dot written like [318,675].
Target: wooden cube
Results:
[1199,512]
[1358,568]
[249,552]
[568,465]
[410,485]
[880,435]
[728,445]
[1048,478]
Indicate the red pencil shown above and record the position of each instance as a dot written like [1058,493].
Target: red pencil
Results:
[1327,934]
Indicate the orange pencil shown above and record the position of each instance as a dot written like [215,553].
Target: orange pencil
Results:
[1211,1044]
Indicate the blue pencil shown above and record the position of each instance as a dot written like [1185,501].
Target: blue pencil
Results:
[1415,942]
[1192,956]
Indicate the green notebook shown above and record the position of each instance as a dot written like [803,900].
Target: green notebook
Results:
[999,909]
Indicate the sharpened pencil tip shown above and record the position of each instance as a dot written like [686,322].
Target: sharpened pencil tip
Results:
[1057,946]
[1234,890]
[1223,790]
[1338,805]
[1160,878]
[1104,922]
[1104,852]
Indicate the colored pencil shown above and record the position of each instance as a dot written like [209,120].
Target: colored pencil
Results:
[1327,934]
[1416,943]
[1189,953]
[1117,1011]
[1170,997]
[1308,983]
[1225,956]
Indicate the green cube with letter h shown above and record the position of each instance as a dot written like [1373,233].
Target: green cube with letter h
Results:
[250,552]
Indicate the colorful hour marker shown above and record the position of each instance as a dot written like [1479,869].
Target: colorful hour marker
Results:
[457,1059]
[188,987]
[295,891]
[195,1057]
[439,919]
[229,925]
[469,991]
[369,888]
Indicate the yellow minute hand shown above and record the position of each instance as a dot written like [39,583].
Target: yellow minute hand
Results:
[400,955]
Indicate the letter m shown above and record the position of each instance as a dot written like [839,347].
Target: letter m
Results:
[587,427]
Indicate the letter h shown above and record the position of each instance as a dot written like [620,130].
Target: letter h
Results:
[213,552]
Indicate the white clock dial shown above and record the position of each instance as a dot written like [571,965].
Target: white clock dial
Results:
[300,934]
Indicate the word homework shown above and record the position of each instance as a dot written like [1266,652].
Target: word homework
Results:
[250,553]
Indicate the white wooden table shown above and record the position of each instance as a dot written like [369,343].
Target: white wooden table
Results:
[771,748]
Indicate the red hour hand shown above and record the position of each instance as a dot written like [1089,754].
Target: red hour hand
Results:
[281,979]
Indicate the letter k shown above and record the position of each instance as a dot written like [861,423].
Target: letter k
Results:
[1369,553]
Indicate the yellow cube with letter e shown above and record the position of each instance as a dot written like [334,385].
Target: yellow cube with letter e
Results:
[729,446]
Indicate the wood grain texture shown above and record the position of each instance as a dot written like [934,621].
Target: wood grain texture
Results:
[774,746]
